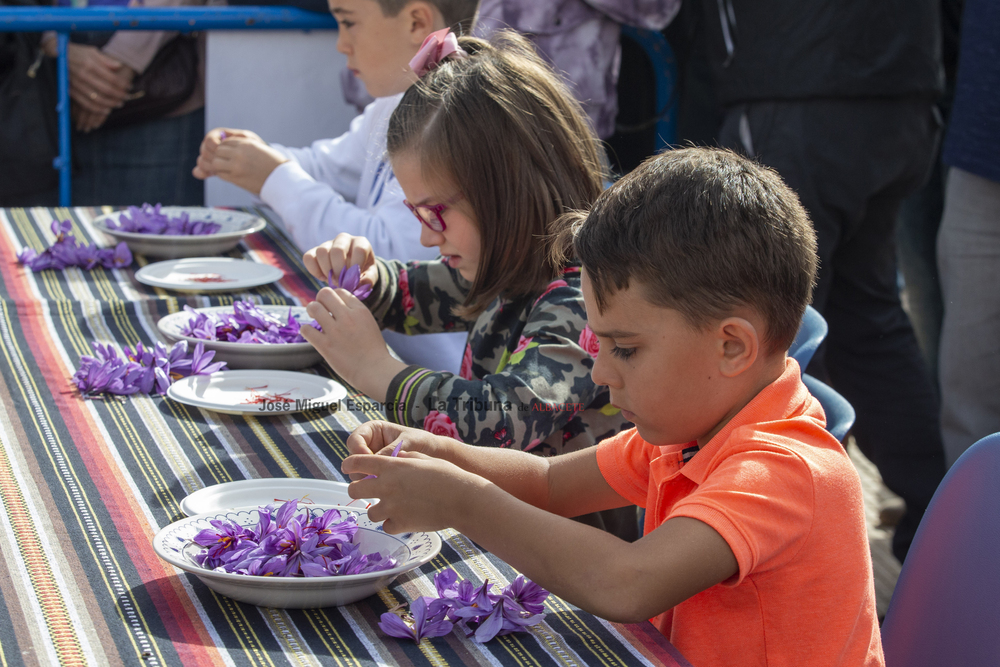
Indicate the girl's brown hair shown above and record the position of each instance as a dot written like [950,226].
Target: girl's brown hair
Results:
[501,127]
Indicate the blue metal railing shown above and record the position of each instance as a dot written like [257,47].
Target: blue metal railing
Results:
[64,20]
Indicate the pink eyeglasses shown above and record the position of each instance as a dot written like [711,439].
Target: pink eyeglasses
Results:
[434,222]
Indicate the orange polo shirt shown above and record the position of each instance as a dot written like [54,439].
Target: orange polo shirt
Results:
[783,494]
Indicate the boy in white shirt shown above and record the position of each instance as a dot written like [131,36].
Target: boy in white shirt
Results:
[346,184]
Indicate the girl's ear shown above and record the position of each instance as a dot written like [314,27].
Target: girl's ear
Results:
[740,345]
[423,19]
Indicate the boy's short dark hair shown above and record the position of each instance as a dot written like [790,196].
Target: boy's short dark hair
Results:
[704,230]
[459,15]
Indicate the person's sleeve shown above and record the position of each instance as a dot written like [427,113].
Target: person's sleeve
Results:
[624,463]
[418,297]
[314,193]
[649,14]
[536,389]
[137,48]
[762,503]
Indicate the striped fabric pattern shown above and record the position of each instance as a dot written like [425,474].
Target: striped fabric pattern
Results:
[85,484]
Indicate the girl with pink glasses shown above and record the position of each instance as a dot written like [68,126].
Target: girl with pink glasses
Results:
[490,150]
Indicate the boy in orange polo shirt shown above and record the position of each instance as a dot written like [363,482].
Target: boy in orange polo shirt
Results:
[697,269]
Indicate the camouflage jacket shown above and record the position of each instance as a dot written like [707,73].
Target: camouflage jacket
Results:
[525,377]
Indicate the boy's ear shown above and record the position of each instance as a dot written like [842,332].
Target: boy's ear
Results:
[422,18]
[740,344]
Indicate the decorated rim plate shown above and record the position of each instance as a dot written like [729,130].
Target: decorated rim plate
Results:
[173,544]
[208,274]
[280,356]
[258,392]
[260,492]
[234,226]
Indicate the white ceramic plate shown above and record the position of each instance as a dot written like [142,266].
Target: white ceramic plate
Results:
[260,492]
[233,392]
[191,274]
[234,225]
[173,544]
[280,356]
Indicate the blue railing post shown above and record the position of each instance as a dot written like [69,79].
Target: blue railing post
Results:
[64,162]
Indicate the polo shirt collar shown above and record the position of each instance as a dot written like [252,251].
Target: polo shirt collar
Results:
[786,394]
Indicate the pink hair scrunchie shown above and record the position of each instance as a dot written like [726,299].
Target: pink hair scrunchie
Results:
[436,47]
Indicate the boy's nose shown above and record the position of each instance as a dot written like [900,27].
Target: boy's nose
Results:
[342,45]
[602,374]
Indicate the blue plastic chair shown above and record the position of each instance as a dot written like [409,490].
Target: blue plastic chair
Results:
[946,607]
[839,412]
[811,333]
[661,57]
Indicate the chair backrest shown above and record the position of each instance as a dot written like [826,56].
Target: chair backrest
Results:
[839,412]
[811,333]
[665,76]
[946,606]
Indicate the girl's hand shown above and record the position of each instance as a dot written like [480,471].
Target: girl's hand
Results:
[416,492]
[351,342]
[206,155]
[344,250]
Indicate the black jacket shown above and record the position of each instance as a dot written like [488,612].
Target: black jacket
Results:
[799,49]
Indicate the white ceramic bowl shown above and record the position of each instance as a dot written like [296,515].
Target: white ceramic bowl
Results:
[276,356]
[173,544]
[234,226]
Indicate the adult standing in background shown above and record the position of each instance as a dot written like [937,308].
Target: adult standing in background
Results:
[838,97]
[146,157]
[969,239]
[581,40]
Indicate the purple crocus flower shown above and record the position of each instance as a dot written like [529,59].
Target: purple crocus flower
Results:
[350,280]
[425,623]
[119,258]
[526,594]
[27,255]
[200,361]
[61,230]
[87,256]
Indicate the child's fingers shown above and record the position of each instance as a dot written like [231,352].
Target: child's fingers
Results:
[332,300]
[367,464]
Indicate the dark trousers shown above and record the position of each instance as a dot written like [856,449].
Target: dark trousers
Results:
[852,162]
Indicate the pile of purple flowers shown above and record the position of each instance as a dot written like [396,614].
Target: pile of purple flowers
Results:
[284,544]
[65,253]
[149,220]
[480,612]
[246,324]
[142,370]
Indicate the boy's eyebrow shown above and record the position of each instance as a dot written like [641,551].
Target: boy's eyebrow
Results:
[340,10]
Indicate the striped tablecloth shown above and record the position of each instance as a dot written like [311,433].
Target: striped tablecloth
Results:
[85,484]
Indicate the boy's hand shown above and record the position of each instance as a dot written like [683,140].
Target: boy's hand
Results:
[344,250]
[351,341]
[206,154]
[416,492]
[245,162]
[381,437]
